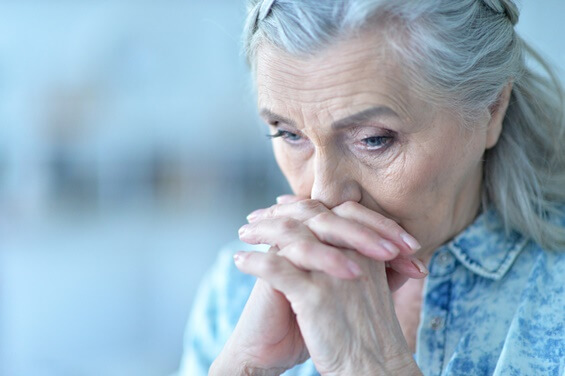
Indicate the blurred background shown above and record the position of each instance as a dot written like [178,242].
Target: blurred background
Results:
[130,152]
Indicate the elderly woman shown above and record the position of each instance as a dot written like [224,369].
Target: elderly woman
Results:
[426,230]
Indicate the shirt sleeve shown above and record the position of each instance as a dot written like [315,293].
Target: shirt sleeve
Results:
[216,309]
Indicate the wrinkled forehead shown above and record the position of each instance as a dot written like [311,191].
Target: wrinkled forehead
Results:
[352,74]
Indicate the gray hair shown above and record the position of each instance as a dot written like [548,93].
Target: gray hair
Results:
[460,55]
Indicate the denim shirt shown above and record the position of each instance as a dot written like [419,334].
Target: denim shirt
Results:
[494,304]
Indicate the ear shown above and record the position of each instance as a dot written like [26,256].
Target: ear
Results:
[497,114]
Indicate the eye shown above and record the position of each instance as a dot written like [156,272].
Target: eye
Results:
[286,135]
[377,142]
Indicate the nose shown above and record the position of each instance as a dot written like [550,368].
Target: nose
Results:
[334,181]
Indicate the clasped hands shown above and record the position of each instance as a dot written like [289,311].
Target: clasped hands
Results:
[323,291]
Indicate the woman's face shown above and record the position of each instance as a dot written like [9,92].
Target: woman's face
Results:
[350,128]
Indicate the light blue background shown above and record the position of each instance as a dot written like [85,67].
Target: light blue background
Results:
[129,153]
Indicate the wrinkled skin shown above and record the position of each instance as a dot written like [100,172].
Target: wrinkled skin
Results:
[361,184]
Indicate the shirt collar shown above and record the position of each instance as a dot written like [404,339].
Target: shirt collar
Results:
[485,248]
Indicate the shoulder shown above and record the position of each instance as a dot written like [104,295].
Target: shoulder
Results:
[545,282]
[543,266]
[542,273]
[536,337]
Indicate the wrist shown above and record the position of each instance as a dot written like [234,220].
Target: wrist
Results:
[217,370]
[401,365]
[232,366]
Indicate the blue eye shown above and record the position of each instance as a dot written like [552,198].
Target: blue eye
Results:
[377,142]
[286,135]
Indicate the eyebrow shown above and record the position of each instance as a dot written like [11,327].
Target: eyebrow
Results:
[360,117]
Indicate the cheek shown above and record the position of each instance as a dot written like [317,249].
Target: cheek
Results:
[426,184]
[297,170]
[403,188]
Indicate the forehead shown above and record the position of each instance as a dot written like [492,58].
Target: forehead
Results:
[349,76]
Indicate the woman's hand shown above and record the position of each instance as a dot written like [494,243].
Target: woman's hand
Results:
[348,326]
[267,339]
[349,225]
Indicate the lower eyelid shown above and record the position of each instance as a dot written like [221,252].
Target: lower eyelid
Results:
[376,150]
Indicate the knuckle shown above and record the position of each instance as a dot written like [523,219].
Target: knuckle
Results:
[271,265]
[298,250]
[289,224]
[365,233]
[303,247]
[310,205]
[390,224]
[273,211]
[348,206]
[334,258]
[321,217]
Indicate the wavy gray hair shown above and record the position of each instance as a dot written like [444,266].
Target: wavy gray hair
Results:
[459,55]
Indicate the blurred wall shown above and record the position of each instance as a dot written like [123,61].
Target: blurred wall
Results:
[129,153]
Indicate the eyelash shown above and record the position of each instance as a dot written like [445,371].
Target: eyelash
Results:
[384,142]
[285,135]
[293,138]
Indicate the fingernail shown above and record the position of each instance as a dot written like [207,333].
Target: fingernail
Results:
[254,215]
[239,257]
[419,265]
[354,268]
[284,199]
[391,248]
[242,230]
[411,242]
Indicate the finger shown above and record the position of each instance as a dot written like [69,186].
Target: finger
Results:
[409,267]
[395,279]
[298,244]
[302,210]
[331,228]
[316,256]
[287,199]
[278,232]
[345,233]
[383,225]
[277,271]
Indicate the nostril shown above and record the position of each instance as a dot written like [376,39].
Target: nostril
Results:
[335,193]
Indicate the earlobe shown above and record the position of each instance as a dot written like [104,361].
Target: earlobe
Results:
[497,114]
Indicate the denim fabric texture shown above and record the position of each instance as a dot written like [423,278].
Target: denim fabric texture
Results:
[494,304]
